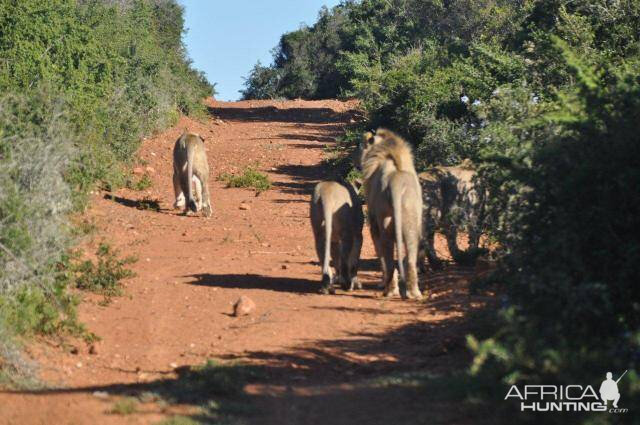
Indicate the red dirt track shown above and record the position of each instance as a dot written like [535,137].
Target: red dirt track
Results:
[319,351]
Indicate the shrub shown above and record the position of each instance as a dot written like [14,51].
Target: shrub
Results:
[142,183]
[564,216]
[250,178]
[125,406]
[35,147]
[81,82]
[120,68]
[105,274]
[543,96]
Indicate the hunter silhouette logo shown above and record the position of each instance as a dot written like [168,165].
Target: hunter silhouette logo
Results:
[568,398]
[609,389]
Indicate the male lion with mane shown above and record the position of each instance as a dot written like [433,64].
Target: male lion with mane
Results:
[393,196]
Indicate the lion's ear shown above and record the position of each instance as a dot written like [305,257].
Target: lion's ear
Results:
[382,134]
[368,138]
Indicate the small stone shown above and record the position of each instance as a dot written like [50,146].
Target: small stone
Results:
[173,365]
[285,267]
[138,170]
[74,350]
[243,306]
[245,207]
[150,170]
[101,394]
[79,365]
[93,350]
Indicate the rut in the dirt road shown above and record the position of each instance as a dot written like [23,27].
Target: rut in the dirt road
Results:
[299,357]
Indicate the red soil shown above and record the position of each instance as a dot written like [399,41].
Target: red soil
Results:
[318,350]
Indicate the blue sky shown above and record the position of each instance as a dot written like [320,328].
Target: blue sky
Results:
[226,38]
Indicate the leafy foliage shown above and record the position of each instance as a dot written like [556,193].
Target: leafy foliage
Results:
[105,274]
[81,81]
[543,95]
[125,406]
[563,212]
[250,178]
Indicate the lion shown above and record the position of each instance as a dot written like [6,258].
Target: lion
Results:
[190,166]
[452,199]
[393,196]
[337,221]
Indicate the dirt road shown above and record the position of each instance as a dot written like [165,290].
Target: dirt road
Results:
[299,358]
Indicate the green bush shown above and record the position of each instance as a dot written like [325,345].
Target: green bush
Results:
[250,178]
[564,214]
[125,406]
[36,144]
[544,97]
[140,184]
[119,68]
[304,62]
[105,274]
[81,81]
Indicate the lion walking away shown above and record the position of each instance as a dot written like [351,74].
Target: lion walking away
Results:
[337,221]
[190,167]
[393,196]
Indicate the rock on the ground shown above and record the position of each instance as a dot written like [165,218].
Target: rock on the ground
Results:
[243,306]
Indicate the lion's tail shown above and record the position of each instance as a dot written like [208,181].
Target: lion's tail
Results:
[397,193]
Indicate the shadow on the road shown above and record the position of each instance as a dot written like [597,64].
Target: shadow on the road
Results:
[254,281]
[320,140]
[306,146]
[409,374]
[139,204]
[295,188]
[304,177]
[289,201]
[362,310]
[131,203]
[308,137]
[405,375]
[275,114]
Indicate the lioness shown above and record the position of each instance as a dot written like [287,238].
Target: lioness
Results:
[452,199]
[337,220]
[190,165]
